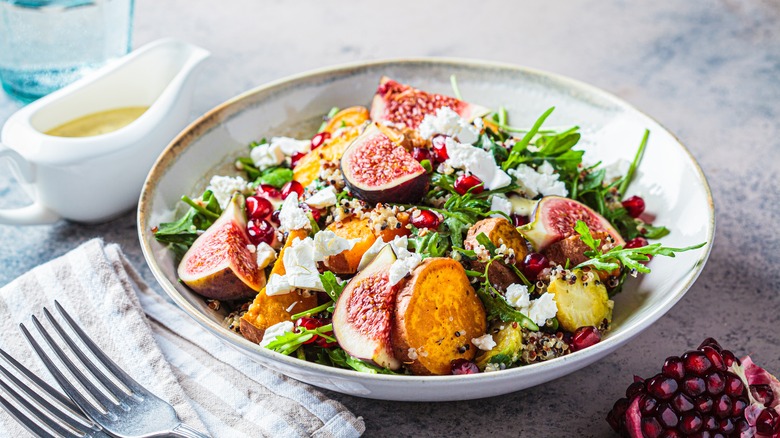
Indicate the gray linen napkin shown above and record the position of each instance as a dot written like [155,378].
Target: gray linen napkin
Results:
[207,382]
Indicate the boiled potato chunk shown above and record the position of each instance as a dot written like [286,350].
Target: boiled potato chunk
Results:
[582,301]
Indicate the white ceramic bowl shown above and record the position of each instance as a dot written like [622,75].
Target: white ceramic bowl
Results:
[669,179]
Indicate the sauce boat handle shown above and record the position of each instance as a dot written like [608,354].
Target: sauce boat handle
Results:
[34,214]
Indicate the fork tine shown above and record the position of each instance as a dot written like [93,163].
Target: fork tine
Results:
[99,374]
[118,372]
[23,419]
[87,406]
[39,416]
[69,413]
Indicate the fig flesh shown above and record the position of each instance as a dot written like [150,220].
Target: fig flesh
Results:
[554,219]
[363,318]
[219,264]
[402,104]
[378,170]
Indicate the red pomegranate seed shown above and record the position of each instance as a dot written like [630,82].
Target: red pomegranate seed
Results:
[324,343]
[662,387]
[268,191]
[715,358]
[616,417]
[741,426]
[768,422]
[635,388]
[260,231]
[464,183]
[729,358]
[696,362]
[690,423]
[585,337]
[722,406]
[309,324]
[296,158]
[716,383]
[533,264]
[693,386]
[651,428]
[710,342]
[673,367]
[738,407]
[709,422]
[463,366]
[519,220]
[704,404]
[634,206]
[258,207]
[425,219]
[290,187]
[648,405]
[667,416]
[439,149]
[671,433]
[734,386]
[420,154]
[726,426]
[275,217]
[763,393]
[319,139]
[682,403]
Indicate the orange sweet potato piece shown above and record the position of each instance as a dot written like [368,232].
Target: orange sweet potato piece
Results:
[437,313]
[266,311]
[347,118]
[352,227]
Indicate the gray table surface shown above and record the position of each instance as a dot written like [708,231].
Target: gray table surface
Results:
[708,71]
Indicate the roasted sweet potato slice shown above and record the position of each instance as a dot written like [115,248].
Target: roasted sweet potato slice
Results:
[437,313]
[500,232]
[347,118]
[352,227]
[266,311]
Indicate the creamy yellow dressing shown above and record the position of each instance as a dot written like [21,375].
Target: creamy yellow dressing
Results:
[98,123]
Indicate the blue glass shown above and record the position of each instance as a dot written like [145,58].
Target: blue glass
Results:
[47,44]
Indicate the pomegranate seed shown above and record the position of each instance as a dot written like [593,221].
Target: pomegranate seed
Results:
[742,427]
[709,422]
[425,219]
[768,422]
[694,386]
[691,423]
[722,407]
[726,426]
[518,219]
[420,154]
[710,342]
[738,407]
[616,417]
[319,139]
[260,231]
[275,217]
[763,393]
[533,264]
[464,183]
[324,343]
[696,362]
[648,405]
[463,366]
[651,428]
[673,367]
[290,187]
[704,404]
[671,433]
[715,358]
[439,149]
[716,383]
[309,324]
[666,416]
[729,358]
[635,388]
[257,207]
[268,191]
[296,158]
[585,337]
[634,206]
[682,403]
[662,387]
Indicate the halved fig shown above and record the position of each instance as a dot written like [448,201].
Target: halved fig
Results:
[377,170]
[554,219]
[402,104]
[219,264]
[363,318]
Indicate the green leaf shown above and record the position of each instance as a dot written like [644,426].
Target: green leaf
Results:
[275,176]
[634,164]
[332,285]
[587,238]
[180,234]
[432,244]
[485,241]
[497,307]
[515,155]
[288,342]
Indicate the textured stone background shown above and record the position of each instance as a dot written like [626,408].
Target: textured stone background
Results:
[708,71]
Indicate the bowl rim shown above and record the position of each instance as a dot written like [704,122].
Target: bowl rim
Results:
[217,114]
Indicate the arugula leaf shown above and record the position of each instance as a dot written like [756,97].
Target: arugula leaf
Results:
[634,164]
[275,176]
[497,307]
[432,244]
[500,154]
[180,234]
[288,342]
[339,358]
[485,241]
[515,156]
[332,285]
[587,238]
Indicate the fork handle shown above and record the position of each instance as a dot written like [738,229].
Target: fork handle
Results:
[185,431]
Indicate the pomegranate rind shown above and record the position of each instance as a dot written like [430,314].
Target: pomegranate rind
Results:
[402,104]
[377,170]
[363,317]
[634,419]
[219,264]
[753,374]
[554,218]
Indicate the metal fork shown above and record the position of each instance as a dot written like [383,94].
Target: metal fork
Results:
[45,415]
[127,412]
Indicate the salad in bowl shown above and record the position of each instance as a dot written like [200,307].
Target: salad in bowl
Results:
[424,235]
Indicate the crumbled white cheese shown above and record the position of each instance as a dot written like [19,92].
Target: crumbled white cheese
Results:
[544,180]
[484,342]
[542,308]
[300,265]
[448,122]
[477,161]
[492,367]
[278,329]
[265,255]
[266,155]
[292,216]
[327,243]
[401,267]
[277,285]
[224,187]
[500,203]
[399,245]
[290,146]
[323,198]
[517,296]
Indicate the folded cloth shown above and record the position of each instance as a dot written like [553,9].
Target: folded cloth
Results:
[211,386]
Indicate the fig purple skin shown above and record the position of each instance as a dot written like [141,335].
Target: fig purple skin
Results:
[377,170]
